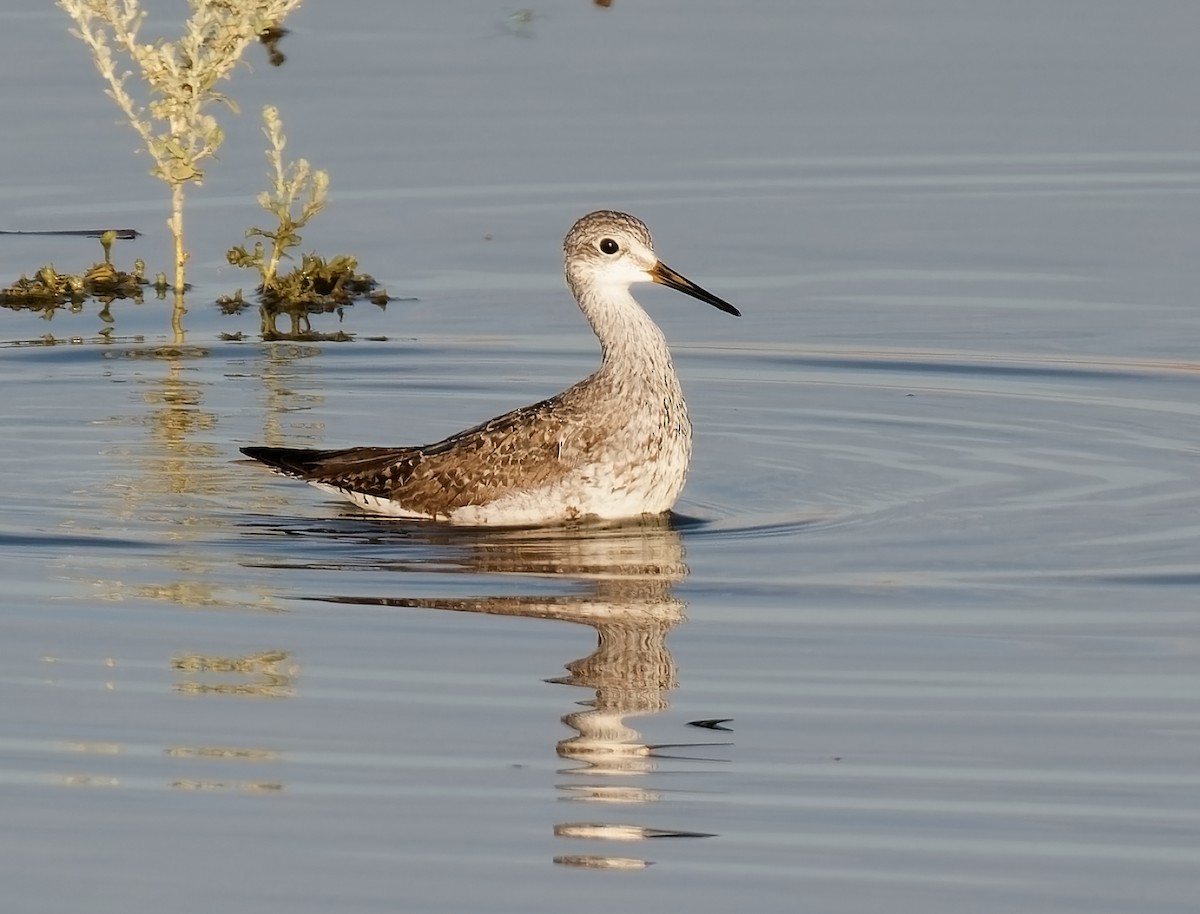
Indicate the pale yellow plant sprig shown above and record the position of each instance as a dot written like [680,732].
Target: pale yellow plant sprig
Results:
[290,183]
[181,77]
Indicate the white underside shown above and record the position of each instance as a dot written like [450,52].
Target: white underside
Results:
[370,502]
[591,494]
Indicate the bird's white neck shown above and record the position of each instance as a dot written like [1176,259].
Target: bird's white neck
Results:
[629,340]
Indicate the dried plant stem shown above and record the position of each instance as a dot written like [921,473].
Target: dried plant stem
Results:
[290,183]
[181,77]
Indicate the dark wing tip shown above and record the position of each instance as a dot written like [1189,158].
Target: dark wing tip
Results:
[292,461]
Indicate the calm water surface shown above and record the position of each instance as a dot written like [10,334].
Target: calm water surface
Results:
[923,635]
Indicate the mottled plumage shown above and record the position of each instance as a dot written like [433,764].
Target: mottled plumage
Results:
[615,445]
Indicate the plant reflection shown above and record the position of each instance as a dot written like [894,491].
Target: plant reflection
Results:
[266,674]
[171,479]
[628,572]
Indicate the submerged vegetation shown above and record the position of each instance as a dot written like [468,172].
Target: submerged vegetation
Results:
[315,286]
[48,290]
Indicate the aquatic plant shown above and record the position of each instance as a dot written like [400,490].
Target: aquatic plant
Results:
[315,285]
[175,126]
[289,183]
[48,289]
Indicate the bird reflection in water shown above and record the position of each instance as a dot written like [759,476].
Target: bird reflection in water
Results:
[628,571]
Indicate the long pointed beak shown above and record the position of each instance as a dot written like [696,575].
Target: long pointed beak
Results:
[664,275]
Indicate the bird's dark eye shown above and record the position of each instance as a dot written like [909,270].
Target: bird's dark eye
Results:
[608,246]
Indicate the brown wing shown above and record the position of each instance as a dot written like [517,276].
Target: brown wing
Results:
[530,447]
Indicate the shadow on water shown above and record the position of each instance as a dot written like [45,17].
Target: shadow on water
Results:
[615,578]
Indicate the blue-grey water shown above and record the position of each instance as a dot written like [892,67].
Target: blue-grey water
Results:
[924,634]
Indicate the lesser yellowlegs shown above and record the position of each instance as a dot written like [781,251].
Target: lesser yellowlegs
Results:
[615,445]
